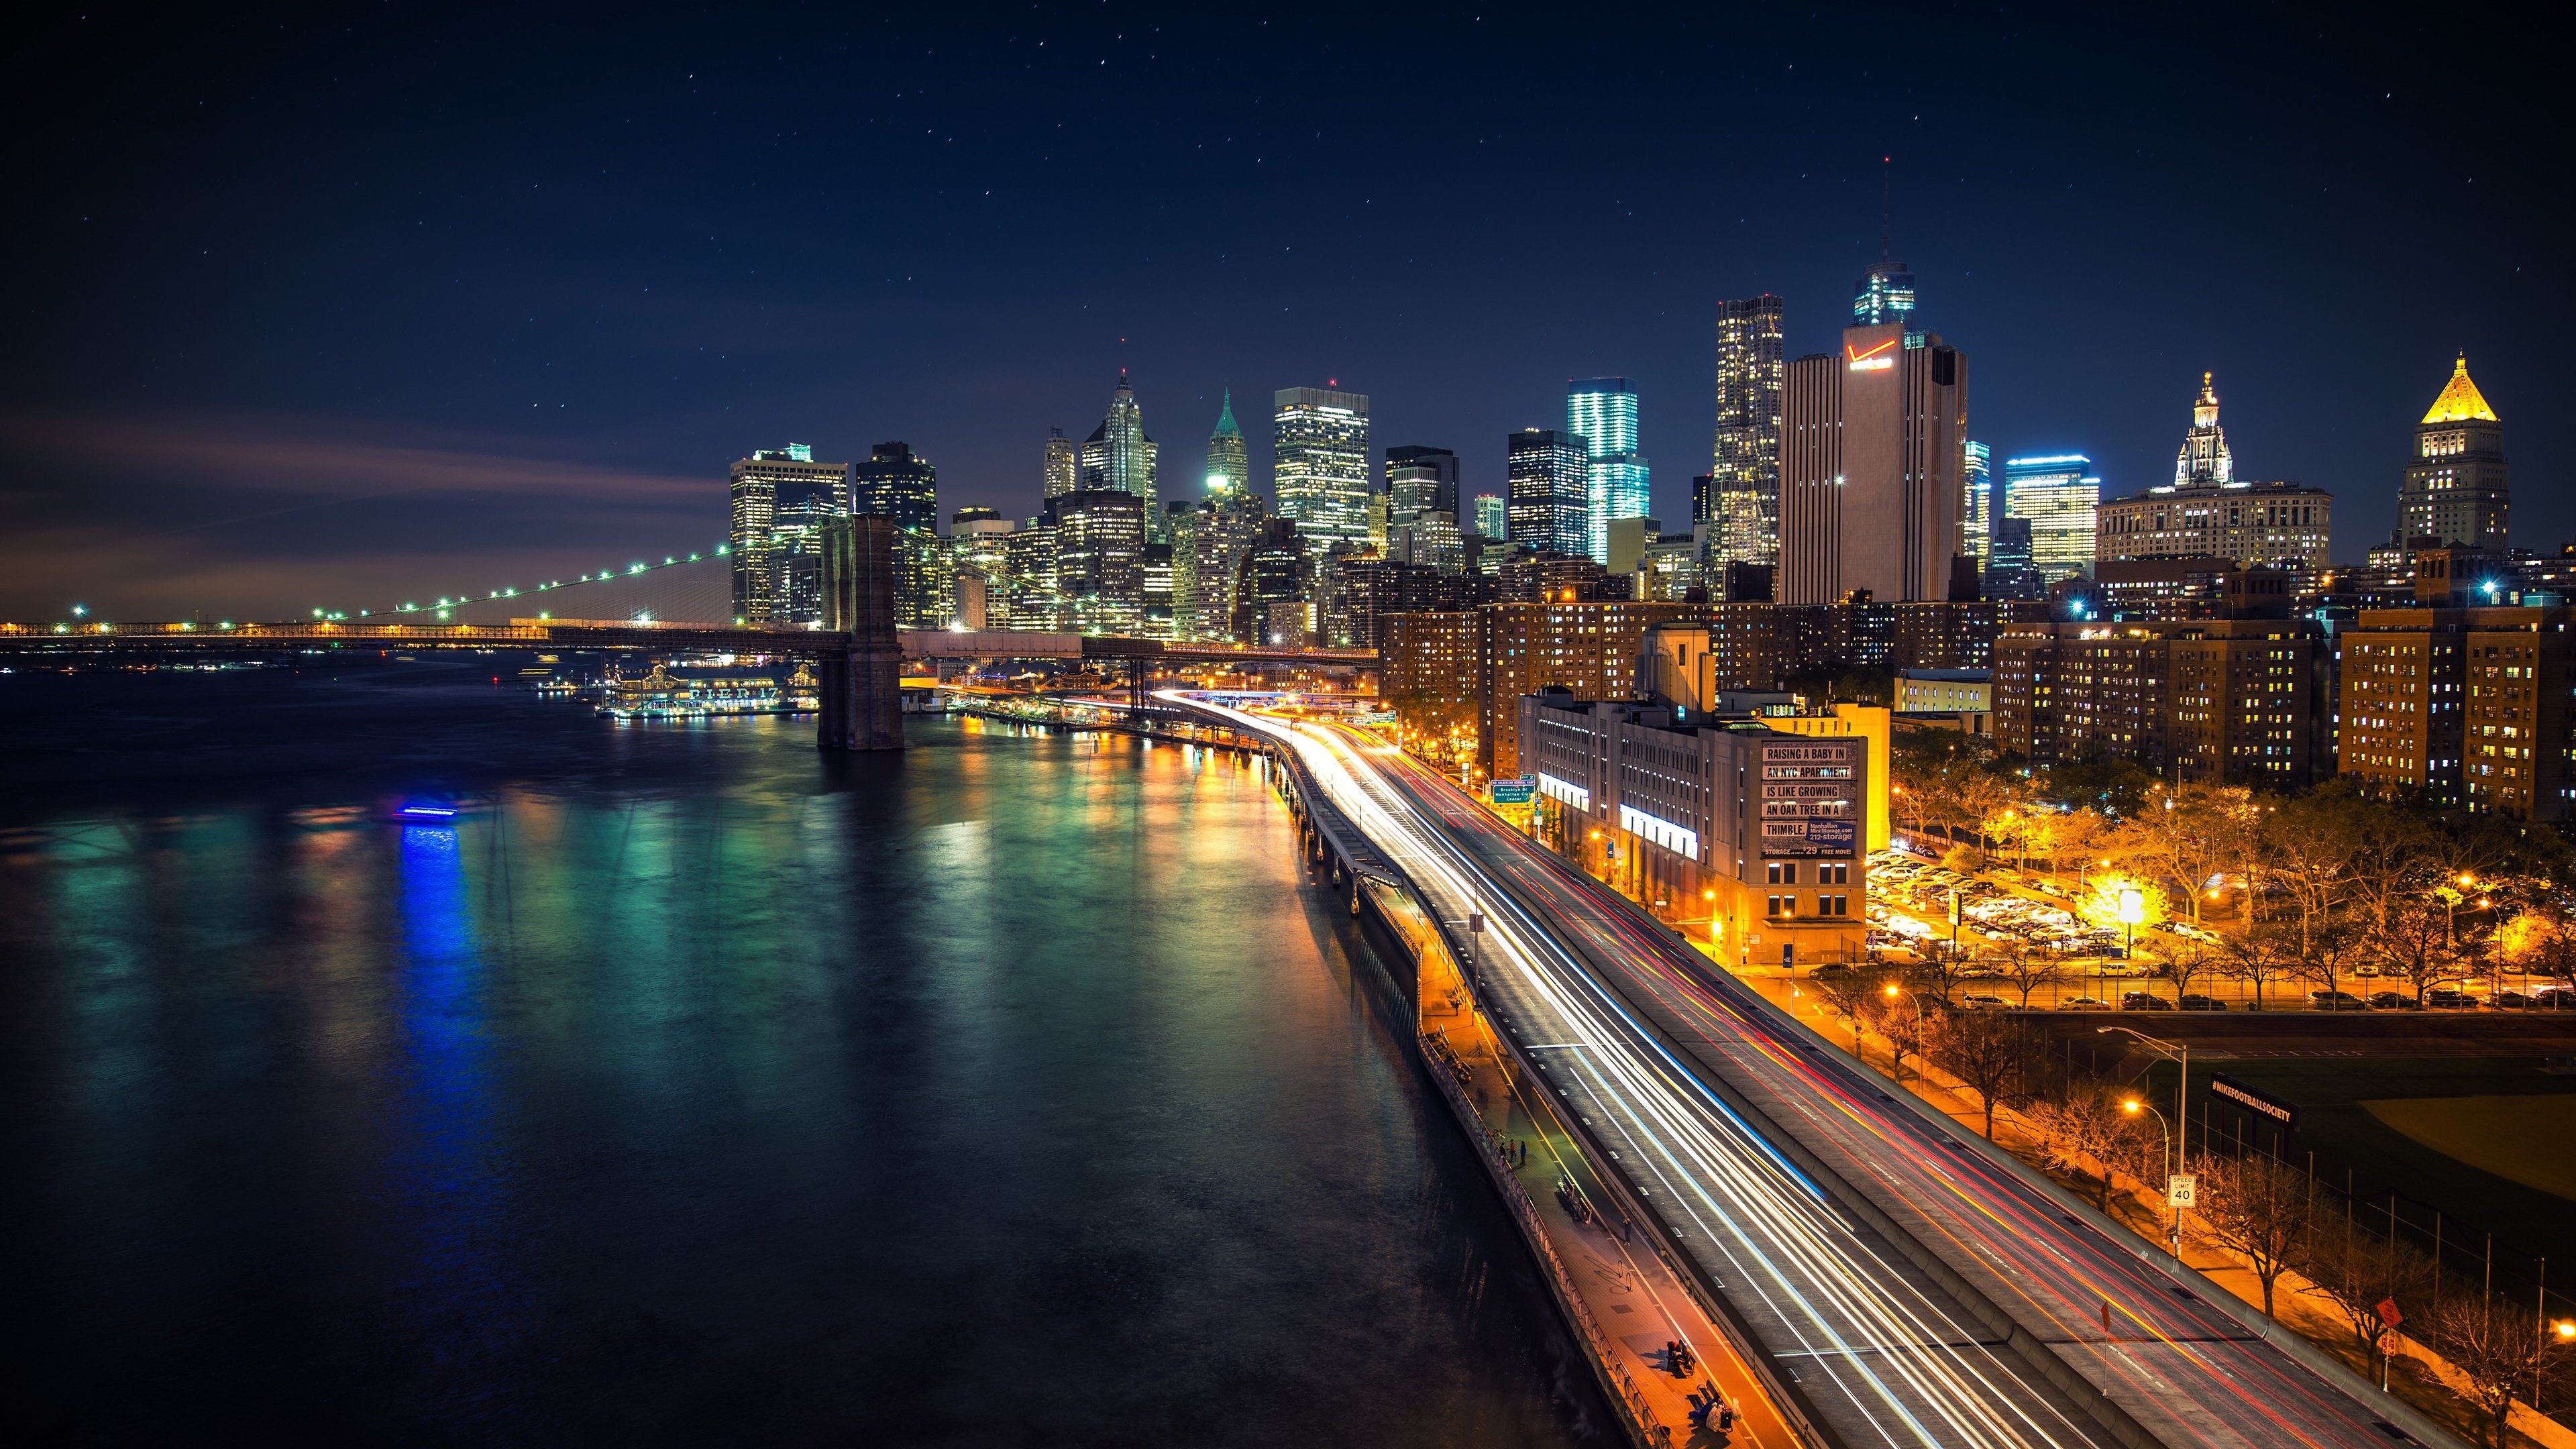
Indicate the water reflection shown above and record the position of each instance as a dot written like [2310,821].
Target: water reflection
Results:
[691,1088]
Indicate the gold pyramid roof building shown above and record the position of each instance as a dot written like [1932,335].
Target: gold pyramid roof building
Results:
[2456,486]
[2461,402]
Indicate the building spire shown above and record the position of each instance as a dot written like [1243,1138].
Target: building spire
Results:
[1225,422]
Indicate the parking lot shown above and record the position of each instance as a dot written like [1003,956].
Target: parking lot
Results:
[1918,906]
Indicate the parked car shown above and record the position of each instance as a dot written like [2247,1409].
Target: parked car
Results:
[2197,1002]
[1983,1003]
[2336,1001]
[2143,1001]
[2366,973]
[2392,1001]
[2084,1003]
[2554,998]
[2448,998]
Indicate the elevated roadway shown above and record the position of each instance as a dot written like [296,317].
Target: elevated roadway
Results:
[1897,1282]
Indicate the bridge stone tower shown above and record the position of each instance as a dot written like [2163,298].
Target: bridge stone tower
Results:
[863,677]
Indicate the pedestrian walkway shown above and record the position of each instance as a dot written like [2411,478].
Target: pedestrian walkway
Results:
[1625,1302]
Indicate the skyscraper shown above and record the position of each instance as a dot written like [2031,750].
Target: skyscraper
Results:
[1603,412]
[1099,560]
[1438,465]
[894,484]
[2455,486]
[1977,507]
[2059,494]
[1884,297]
[1551,481]
[1322,467]
[1872,457]
[2205,460]
[1229,466]
[1063,471]
[754,497]
[1493,517]
[1119,458]
[1745,481]
[1419,481]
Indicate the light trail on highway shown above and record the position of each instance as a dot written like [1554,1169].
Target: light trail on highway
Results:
[1663,1057]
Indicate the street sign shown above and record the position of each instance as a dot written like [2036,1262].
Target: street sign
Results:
[2180,1189]
[2388,1313]
[1788,955]
[1475,922]
[1520,790]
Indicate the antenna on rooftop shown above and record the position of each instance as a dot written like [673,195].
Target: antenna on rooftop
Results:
[1886,205]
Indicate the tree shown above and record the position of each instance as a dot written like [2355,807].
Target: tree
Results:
[2356,1270]
[2410,939]
[1851,995]
[2500,1348]
[1997,1057]
[2332,946]
[1938,973]
[1900,1018]
[2258,954]
[2187,961]
[2258,1208]
[2026,966]
[2087,1124]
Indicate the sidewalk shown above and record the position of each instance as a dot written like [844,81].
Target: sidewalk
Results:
[1625,1303]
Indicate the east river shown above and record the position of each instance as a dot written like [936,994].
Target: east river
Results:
[695,1088]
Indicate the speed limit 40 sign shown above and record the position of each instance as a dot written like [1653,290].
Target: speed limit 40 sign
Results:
[2180,1189]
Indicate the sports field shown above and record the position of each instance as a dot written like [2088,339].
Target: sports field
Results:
[2521,1138]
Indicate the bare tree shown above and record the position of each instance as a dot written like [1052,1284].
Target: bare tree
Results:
[2087,1126]
[1851,995]
[2356,1270]
[1938,972]
[2411,938]
[2186,962]
[2333,946]
[2500,1348]
[1997,1057]
[2027,966]
[2258,954]
[2258,1208]
[1901,1020]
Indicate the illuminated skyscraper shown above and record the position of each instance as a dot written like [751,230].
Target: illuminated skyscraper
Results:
[2204,459]
[1229,465]
[1871,457]
[1551,481]
[1099,560]
[1603,412]
[2455,484]
[2059,495]
[1977,507]
[1119,458]
[1321,471]
[1063,470]
[1421,479]
[1884,297]
[1752,368]
[760,484]
[1493,517]
[894,484]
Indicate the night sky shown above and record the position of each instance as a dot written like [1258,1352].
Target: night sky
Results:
[341,307]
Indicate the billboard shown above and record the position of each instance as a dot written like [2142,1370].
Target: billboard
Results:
[1810,800]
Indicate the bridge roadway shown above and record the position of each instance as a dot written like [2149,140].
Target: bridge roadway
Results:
[656,636]
[1902,1285]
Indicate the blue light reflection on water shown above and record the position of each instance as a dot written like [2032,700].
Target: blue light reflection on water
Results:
[448,1167]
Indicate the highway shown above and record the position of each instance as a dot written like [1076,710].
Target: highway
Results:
[1808,1195]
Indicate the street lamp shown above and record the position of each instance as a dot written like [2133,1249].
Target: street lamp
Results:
[2133,1107]
[2182,1114]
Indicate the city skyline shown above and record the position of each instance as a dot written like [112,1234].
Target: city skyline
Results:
[287,425]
